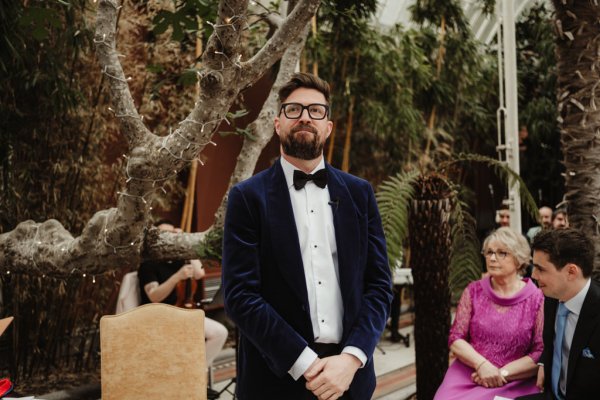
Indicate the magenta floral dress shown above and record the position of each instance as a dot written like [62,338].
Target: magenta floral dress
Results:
[500,329]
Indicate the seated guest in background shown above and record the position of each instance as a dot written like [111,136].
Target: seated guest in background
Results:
[545,220]
[158,281]
[497,332]
[503,216]
[560,219]
[563,260]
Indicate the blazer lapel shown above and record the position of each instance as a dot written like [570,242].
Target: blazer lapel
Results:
[588,320]
[347,228]
[284,235]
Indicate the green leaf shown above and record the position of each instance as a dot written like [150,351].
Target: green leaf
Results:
[155,68]
[162,21]
[393,199]
[188,78]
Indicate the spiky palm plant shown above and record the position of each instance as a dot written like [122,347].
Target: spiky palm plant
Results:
[577,44]
[427,208]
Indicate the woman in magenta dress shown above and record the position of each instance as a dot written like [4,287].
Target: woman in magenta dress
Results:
[497,332]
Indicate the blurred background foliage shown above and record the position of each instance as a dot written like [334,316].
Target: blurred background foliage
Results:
[386,84]
[51,145]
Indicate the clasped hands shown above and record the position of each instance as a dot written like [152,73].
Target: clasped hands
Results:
[328,378]
[487,375]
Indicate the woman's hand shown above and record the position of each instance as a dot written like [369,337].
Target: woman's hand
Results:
[185,272]
[199,272]
[540,378]
[487,375]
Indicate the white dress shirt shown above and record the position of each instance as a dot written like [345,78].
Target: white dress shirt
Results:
[574,306]
[316,234]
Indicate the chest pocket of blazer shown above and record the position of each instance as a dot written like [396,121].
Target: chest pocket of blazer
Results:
[588,362]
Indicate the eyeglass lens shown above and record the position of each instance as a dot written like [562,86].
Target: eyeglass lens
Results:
[295,110]
[500,254]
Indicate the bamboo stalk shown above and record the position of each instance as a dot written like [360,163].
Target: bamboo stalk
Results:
[347,142]
[315,66]
[331,145]
[440,59]
[190,193]
[188,213]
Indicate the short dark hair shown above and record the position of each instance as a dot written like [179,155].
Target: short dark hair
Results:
[304,80]
[558,211]
[565,246]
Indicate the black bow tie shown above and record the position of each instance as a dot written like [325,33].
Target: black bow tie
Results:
[319,178]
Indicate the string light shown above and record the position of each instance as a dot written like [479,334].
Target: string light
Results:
[217,122]
[142,197]
[235,62]
[35,248]
[115,248]
[126,115]
[102,41]
[74,271]
[154,180]
[230,22]
[105,72]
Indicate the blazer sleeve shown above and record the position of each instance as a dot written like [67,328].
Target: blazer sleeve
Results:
[279,344]
[377,287]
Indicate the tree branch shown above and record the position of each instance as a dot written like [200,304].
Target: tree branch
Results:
[105,40]
[118,237]
[262,127]
[274,48]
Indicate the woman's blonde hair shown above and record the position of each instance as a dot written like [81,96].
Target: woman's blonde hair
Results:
[515,243]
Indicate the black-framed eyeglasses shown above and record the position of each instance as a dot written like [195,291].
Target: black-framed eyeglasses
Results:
[500,254]
[295,110]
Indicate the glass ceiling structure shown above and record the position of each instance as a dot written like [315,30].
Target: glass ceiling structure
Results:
[484,26]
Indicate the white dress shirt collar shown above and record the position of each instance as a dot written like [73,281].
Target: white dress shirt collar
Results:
[288,170]
[576,302]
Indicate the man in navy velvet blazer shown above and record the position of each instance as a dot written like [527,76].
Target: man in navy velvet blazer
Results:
[305,270]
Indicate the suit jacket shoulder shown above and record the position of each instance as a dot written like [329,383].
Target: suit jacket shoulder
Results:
[583,375]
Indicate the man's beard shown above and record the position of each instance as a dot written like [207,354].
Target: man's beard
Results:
[302,149]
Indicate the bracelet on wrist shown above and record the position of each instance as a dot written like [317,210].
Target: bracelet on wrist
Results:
[480,364]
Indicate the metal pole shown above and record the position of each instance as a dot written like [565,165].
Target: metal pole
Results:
[511,127]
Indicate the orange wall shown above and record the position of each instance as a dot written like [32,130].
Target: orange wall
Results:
[219,161]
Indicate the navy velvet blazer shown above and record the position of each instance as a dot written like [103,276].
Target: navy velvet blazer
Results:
[583,374]
[264,284]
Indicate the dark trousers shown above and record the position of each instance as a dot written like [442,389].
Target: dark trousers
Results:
[324,350]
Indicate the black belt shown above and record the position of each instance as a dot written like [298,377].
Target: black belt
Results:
[326,349]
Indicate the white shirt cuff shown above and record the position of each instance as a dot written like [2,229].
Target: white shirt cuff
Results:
[305,360]
[356,352]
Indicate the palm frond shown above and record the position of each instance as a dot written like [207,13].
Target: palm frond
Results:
[505,173]
[465,260]
[393,199]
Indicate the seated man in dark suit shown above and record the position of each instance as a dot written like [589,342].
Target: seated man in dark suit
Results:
[570,364]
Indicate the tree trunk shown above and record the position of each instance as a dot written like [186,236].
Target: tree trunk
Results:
[430,257]
[578,53]
[120,236]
